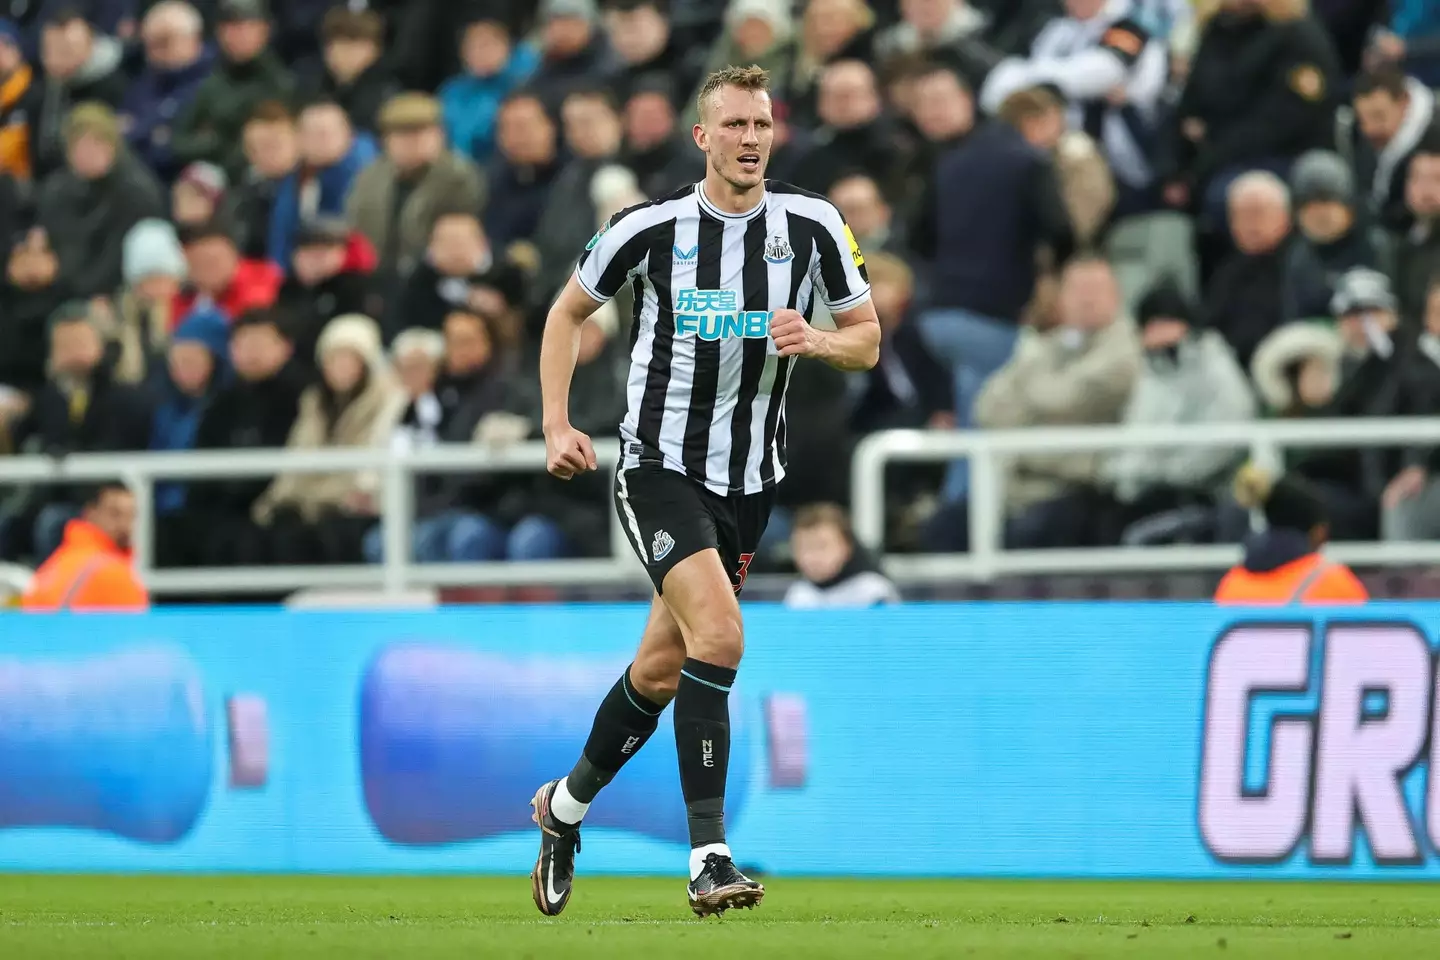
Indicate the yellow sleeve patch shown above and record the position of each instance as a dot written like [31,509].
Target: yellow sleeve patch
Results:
[855,253]
[1308,82]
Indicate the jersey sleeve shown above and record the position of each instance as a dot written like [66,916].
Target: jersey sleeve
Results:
[613,254]
[839,269]
[1126,40]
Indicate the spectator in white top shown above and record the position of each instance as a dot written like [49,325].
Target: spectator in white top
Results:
[1112,73]
[836,572]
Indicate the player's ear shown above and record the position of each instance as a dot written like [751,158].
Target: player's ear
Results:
[701,140]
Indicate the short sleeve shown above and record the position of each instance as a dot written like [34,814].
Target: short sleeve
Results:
[613,253]
[839,270]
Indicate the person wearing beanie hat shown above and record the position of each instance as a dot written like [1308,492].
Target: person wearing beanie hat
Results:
[1283,564]
[573,51]
[756,31]
[196,368]
[356,404]
[331,273]
[154,266]
[88,207]
[198,193]
[1333,236]
[1190,377]
[19,103]
[493,66]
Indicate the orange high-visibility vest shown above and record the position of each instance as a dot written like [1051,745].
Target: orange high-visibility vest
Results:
[1311,580]
[87,572]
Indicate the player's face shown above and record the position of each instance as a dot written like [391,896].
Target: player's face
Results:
[737,134]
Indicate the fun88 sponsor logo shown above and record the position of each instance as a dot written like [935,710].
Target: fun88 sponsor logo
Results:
[716,315]
[1316,737]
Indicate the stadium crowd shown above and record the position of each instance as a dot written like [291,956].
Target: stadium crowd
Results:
[323,224]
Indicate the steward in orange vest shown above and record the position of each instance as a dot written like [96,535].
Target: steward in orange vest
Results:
[91,570]
[1283,565]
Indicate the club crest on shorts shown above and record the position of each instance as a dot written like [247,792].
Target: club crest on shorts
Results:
[661,546]
[777,250]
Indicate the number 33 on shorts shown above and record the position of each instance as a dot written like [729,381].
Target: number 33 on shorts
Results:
[742,570]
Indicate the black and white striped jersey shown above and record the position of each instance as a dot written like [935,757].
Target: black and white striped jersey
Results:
[705,394]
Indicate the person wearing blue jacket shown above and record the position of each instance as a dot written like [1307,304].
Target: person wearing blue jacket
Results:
[494,67]
[176,63]
[197,365]
[331,157]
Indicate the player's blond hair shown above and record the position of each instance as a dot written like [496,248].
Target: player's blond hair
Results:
[752,79]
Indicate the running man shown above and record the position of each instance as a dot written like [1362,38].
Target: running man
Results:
[725,274]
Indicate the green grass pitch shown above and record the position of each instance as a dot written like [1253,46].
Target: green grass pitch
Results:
[490,918]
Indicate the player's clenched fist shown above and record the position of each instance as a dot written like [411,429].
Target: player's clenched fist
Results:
[568,452]
[792,335]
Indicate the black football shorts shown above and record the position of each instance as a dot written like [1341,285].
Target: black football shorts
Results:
[668,517]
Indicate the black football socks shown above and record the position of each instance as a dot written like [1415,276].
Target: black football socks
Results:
[625,720]
[702,738]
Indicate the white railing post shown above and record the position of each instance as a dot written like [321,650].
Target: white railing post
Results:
[397,514]
[867,491]
[142,539]
[987,508]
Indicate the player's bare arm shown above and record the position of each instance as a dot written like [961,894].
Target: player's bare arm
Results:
[854,344]
[567,451]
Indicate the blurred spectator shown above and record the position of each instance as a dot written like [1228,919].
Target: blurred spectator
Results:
[855,136]
[907,388]
[639,34]
[331,274]
[1190,376]
[321,517]
[1332,238]
[91,571]
[1391,114]
[418,355]
[396,200]
[1410,504]
[1283,564]
[526,164]
[663,157]
[1111,73]
[1371,373]
[176,64]
[756,31]
[830,30]
[592,133]
[79,66]
[458,262]
[572,51]
[464,518]
[1245,298]
[1412,40]
[219,276]
[272,152]
[331,158]
[1296,369]
[948,31]
[20,96]
[1262,90]
[983,278]
[81,409]
[1014,24]
[354,73]
[247,75]
[943,113]
[154,265]
[33,290]
[1417,255]
[867,214]
[1080,372]
[835,571]
[195,368]
[1086,185]
[89,206]
[256,410]
[198,194]
[493,67]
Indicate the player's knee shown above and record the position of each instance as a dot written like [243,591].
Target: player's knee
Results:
[656,674]
[719,640]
